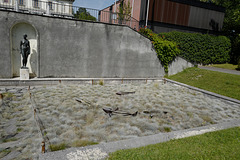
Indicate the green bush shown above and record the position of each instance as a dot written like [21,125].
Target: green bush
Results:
[199,48]
[166,50]
[57,147]
[238,68]
[235,56]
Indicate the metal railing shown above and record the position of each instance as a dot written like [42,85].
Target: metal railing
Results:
[59,9]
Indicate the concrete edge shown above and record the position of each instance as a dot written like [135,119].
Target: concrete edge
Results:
[204,91]
[105,148]
[56,81]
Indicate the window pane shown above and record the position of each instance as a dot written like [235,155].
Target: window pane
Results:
[50,5]
[35,3]
[20,2]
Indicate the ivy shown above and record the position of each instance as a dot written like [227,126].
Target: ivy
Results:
[166,50]
[199,48]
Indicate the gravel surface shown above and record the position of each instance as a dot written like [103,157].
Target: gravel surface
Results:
[160,108]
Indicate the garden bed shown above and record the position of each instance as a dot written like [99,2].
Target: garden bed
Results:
[69,122]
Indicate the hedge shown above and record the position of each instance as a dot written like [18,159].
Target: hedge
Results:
[201,48]
[166,50]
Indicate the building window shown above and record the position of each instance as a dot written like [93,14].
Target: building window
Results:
[50,5]
[35,3]
[20,2]
[5,1]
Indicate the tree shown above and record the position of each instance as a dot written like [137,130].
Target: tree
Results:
[231,24]
[124,11]
[83,14]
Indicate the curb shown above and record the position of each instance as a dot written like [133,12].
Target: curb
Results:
[56,81]
[102,150]
[204,91]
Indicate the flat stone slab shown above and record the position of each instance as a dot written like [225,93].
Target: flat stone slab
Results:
[101,151]
[9,144]
[11,126]
[11,155]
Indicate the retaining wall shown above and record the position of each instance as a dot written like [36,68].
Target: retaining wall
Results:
[70,48]
[64,48]
[178,65]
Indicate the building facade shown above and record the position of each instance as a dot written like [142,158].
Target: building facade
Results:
[111,14]
[180,15]
[51,7]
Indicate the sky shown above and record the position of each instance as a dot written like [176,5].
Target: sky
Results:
[94,4]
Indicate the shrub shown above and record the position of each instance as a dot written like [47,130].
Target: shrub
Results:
[199,48]
[234,55]
[238,68]
[101,82]
[166,50]
[57,147]
[167,129]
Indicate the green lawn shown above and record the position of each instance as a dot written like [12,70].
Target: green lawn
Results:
[225,66]
[219,145]
[217,82]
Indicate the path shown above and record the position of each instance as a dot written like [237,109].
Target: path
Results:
[220,70]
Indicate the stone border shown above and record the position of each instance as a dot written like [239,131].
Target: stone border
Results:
[101,151]
[203,91]
[57,81]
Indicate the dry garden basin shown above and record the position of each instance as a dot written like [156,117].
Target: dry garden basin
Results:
[75,115]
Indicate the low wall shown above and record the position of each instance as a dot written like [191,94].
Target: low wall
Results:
[178,65]
[70,48]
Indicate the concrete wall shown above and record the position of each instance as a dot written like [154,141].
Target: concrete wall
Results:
[69,48]
[5,60]
[178,65]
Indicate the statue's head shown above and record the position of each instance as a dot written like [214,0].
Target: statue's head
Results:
[25,36]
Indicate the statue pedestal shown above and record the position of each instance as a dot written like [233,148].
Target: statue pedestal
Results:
[24,74]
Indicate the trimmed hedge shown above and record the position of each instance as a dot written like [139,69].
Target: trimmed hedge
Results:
[201,48]
[166,50]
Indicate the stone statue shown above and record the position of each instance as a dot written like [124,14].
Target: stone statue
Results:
[24,50]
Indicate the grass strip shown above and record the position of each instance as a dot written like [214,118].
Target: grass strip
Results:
[224,144]
[217,82]
[225,66]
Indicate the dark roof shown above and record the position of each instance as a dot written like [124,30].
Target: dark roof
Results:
[198,3]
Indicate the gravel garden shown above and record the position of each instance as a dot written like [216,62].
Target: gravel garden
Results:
[73,115]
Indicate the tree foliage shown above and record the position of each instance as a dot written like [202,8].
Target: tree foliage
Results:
[231,24]
[83,14]
[124,11]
